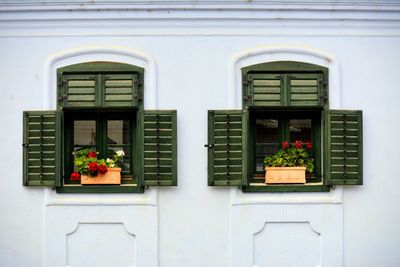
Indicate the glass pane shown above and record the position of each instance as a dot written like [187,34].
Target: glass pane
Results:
[118,138]
[267,140]
[300,130]
[84,134]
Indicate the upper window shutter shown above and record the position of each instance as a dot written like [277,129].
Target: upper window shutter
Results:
[225,148]
[41,148]
[160,147]
[306,89]
[344,147]
[120,90]
[78,90]
[99,90]
[264,90]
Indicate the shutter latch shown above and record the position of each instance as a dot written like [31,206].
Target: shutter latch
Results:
[210,146]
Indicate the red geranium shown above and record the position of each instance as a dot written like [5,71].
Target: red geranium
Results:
[309,145]
[103,169]
[285,145]
[75,176]
[298,144]
[92,154]
[93,166]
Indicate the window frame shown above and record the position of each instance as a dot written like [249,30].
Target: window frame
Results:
[285,69]
[100,112]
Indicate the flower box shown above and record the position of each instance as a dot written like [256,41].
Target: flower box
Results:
[113,176]
[285,175]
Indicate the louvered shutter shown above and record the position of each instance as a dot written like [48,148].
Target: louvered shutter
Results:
[344,147]
[120,90]
[264,90]
[78,90]
[160,147]
[305,89]
[41,148]
[225,147]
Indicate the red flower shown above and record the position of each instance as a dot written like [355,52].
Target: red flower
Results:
[92,154]
[309,145]
[298,144]
[285,145]
[75,176]
[93,166]
[103,169]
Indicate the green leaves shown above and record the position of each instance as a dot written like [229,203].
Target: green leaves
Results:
[291,157]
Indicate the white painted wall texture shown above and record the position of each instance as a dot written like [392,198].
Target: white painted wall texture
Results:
[192,53]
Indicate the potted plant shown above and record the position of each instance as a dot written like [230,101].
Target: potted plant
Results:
[289,165]
[89,169]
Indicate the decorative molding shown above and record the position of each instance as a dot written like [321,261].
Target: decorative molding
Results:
[34,5]
[100,53]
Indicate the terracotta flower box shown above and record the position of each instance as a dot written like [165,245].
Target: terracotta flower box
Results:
[285,175]
[113,176]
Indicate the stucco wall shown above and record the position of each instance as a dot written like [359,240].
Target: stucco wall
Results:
[189,53]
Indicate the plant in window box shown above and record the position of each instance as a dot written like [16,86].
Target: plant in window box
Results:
[91,170]
[289,165]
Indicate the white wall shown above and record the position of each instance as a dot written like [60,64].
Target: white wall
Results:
[190,53]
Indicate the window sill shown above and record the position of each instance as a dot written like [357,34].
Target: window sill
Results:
[280,188]
[128,188]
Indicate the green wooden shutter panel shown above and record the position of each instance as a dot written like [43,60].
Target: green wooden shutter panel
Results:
[305,89]
[78,90]
[265,89]
[345,147]
[160,147]
[41,148]
[225,147]
[121,90]
[99,90]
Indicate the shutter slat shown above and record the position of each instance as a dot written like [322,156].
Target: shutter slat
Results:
[41,148]
[225,154]
[344,147]
[160,148]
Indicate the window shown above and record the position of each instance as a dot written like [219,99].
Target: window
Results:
[100,106]
[284,101]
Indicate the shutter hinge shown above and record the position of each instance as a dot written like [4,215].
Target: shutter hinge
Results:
[62,98]
[210,146]
[25,145]
[139,82]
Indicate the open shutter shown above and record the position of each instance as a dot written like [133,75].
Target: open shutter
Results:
[160,147]
[120,90]
[41,148]
[344,147]
[225,137]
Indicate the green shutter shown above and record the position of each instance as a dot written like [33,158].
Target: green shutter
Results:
[120,90]
[305,89]
[99,90]
[225,147]
[78,90]
[160,147]
[41,148]
[264,90]
[344,147]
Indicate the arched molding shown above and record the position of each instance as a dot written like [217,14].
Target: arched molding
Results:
[267,54]
[99,53]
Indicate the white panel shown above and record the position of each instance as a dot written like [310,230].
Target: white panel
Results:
[286,244]
[101,245]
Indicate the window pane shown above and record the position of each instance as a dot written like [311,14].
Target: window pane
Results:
[118,138]
[84,134]
[267,140]
[300,130]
